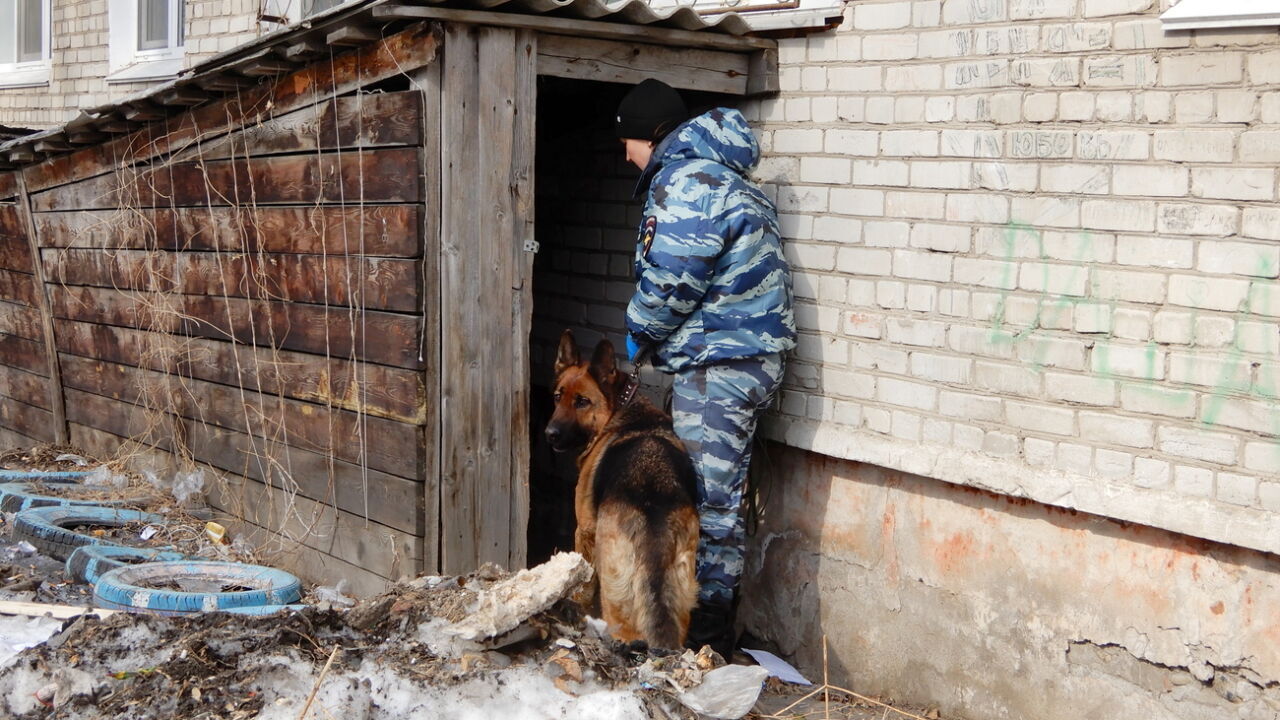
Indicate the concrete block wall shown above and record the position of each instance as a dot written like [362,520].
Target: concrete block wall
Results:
[1035,252]
[79,44]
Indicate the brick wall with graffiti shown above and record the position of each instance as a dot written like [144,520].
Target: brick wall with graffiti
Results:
[1036,251]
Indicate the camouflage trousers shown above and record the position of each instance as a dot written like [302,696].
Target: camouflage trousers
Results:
[715,409]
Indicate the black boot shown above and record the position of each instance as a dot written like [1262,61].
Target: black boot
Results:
[712,625]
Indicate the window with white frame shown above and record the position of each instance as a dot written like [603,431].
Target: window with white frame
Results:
[24,42]
[147,39]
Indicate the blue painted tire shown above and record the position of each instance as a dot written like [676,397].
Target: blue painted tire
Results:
[19,496]
[134,587]
[47,527]
[263,610]
[89,562]
[70,476]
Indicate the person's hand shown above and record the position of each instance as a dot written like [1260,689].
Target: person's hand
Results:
[633,349]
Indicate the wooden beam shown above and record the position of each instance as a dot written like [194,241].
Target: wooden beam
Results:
[224,82]
[265,66]
[116,126]
[57,612]
[142,112]
[523,248]
[184,97]
[630,62]
[305,50]
[568,26]
[85,137]
[21,155]
[762,72]
[428,80]
[50,145]
[352,36]
[56,400]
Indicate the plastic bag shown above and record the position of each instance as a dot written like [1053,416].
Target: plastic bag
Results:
[728,692]
[333,596]
[188,486]
[103,476]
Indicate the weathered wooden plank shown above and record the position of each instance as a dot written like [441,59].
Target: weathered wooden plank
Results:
[461,286]
[362,121]
[380,390]
[428,80]
[763,73]
[23,354]
[28,387]
[372,335]
[27,420]
[310,564]
[390,501]
[18,287]
[22,321]
[56,402]
[375,283]
[583,28]
[629,62]
[524,134]
[493,410]
[388,446]
[94,442]
[347,537]
[370,545]
[407,50]
[10,439]
[8,184]
[384,230]
[377,175]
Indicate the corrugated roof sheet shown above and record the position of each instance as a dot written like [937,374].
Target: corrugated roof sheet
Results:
[34,147]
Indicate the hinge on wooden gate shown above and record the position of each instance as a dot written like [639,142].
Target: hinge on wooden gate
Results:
[531,245]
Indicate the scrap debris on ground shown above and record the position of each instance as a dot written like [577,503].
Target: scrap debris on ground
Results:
[488,644]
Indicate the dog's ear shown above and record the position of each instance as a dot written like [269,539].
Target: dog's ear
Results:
[604,366]
[567,354]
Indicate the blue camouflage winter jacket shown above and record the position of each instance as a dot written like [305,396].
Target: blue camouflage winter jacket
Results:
[711,281]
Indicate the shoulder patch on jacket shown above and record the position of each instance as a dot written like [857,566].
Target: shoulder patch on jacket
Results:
[646,236]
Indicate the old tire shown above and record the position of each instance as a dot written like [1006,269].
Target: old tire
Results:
[70,476]
[229,585]
[19,496]
[89,562]
[262,610]
[47,527]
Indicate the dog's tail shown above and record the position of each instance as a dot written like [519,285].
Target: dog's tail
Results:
[667,581]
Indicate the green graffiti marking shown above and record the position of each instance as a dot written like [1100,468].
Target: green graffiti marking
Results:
[1052,307]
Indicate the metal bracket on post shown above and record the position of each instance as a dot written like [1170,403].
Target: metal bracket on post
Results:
[531,245]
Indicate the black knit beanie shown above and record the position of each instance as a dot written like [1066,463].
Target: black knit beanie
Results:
[650,111]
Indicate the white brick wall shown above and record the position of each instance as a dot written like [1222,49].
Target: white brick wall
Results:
[78,49]
[1067,222]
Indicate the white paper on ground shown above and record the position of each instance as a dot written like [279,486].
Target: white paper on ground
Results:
[777,667]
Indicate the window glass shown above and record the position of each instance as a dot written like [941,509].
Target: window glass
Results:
[8,32]
[153,24]
[30,40]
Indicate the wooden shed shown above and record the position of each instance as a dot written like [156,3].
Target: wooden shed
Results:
[305,264]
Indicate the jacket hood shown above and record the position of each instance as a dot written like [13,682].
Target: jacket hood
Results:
[720,135]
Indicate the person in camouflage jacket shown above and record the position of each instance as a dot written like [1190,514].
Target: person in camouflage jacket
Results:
[713,304]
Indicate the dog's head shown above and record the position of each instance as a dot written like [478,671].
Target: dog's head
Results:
[585,393]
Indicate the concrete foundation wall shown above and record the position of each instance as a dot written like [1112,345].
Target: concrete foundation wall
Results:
[993,607]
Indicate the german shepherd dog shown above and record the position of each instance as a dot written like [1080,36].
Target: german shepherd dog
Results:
[634,501]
